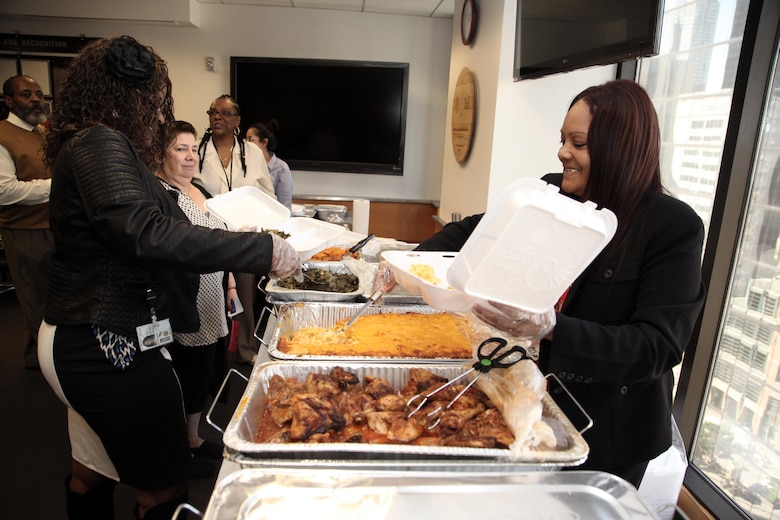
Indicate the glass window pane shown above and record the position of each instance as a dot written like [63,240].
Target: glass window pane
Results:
[739,443]
[690,82]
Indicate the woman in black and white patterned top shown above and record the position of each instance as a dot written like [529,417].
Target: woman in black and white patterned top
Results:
[193,353]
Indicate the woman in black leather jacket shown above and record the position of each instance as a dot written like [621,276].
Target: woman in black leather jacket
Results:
[625,322]
[124,277]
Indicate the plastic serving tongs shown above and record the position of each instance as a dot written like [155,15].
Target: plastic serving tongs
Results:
[487,361]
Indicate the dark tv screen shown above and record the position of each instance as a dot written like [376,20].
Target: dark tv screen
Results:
[563,35]
[334,115]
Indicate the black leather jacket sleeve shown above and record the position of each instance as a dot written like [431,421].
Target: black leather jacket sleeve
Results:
[117,232]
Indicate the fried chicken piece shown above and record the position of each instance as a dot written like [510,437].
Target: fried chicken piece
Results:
[380,421]
[490,423]
[419,381]
[322,385]
[376,387]
[281,391]
[312,414]
[281,414]
[390,403]
[455,419]
[405,429]
[345,379]
[395,425]
[354,406]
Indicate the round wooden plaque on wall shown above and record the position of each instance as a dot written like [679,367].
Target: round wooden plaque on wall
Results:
[464,112]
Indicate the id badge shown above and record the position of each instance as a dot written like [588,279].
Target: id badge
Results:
[154,334]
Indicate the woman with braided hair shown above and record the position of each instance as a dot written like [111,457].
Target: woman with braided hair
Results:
[226,163]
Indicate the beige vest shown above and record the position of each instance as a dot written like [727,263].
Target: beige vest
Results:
[25,149]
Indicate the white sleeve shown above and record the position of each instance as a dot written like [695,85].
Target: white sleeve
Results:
[14,191]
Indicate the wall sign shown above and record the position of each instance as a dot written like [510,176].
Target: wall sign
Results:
[464,112]
[47,44]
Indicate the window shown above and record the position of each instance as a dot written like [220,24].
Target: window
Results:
[726,165]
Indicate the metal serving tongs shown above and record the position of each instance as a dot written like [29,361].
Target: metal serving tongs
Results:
[487,361]
[371,299]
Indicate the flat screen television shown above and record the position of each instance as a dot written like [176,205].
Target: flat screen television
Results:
[562,35]
[334,115]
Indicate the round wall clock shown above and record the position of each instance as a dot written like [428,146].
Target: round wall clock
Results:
[468,21]
[464,112]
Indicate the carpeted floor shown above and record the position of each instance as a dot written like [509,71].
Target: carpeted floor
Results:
[34,448]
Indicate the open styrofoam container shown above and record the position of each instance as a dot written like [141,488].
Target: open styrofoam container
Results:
[249,208]
[525,252]
[439,294]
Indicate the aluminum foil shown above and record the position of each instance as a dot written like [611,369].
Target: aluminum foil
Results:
[241,446]
[249,494]
[277,294]
[292,317]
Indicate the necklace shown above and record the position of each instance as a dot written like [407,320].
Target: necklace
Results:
[226,159]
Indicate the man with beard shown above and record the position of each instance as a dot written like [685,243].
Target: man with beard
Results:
[24,204]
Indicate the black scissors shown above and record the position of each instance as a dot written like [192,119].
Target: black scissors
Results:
[487,361]
[496,358]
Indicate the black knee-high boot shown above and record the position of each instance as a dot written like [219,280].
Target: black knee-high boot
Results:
[162,511]
[95,504]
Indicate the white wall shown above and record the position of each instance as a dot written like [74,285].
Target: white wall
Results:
[242,30]
[518,123]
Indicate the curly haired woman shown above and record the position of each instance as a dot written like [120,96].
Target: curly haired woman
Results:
[124,277]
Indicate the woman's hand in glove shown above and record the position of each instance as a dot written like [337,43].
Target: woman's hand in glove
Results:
[384,280]
[516,322]
[285,260]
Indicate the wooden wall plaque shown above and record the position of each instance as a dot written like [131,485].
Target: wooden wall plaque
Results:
[464,112]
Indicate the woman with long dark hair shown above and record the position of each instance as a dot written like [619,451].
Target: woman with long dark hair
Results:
[624,323]
[124,278]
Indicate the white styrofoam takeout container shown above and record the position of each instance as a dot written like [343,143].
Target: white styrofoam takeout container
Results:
[525,252]
[249,207]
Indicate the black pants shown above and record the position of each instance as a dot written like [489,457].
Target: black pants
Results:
[28,252]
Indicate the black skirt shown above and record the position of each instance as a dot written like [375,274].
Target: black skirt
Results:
[137,412]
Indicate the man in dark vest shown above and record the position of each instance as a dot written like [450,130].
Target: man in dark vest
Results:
[24,204]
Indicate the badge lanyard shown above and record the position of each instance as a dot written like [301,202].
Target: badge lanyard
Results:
[157,333]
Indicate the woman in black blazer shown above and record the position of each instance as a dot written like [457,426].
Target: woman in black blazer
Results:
[624,323]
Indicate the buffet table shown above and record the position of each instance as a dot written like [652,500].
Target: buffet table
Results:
[272,470]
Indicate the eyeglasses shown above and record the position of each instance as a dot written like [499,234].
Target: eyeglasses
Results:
[224,113]
[251,139]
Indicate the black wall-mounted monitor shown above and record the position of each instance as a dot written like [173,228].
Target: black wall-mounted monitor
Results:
[334,115]
[563,35]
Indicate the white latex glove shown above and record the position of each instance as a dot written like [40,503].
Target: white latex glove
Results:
[384,280]
[520,324]
[285,260]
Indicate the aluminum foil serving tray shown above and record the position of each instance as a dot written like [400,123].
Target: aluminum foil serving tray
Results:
[254,493]
[241,446]
[276,294]
[291,317]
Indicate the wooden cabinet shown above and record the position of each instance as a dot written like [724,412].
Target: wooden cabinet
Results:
[406,221]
